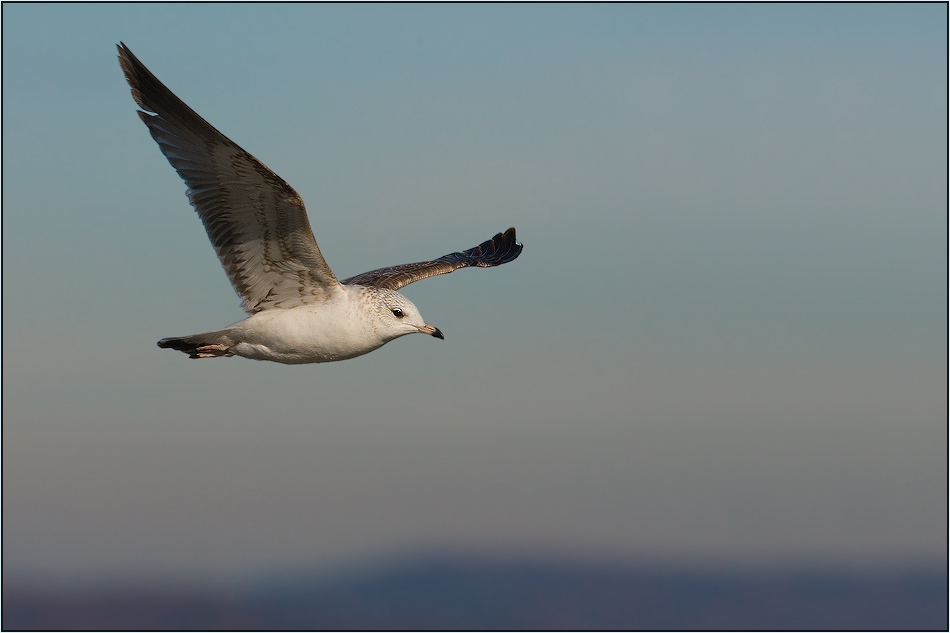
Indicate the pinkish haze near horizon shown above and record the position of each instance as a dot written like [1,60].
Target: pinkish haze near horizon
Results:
[725,341]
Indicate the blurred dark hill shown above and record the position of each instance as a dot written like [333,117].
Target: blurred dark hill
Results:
[460,594]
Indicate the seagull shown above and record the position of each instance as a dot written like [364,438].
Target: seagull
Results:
[299,311]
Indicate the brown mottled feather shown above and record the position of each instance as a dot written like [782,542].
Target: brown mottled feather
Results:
[499,250]
[256,222]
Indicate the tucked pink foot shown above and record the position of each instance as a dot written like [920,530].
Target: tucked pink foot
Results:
[212,351]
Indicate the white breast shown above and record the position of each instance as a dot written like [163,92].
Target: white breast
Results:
[340,328]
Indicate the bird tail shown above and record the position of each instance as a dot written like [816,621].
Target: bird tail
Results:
[207,345]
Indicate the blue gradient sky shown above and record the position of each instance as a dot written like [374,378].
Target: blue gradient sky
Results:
[726,338]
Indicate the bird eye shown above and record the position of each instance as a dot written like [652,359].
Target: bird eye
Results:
[398,313]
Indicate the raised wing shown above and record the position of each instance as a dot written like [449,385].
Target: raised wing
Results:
[256,222]
[501,249]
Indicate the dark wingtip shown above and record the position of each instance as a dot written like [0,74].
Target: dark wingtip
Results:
[154,97]
[500,249]
[514,247]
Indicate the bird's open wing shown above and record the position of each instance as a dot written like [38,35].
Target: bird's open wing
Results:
[501,249]
[256,222]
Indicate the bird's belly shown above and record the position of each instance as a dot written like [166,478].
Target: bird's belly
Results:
[302,335]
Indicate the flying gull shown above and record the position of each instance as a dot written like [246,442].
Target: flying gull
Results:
[299,311]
